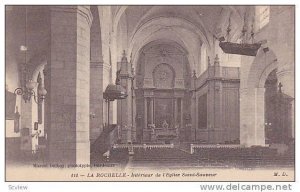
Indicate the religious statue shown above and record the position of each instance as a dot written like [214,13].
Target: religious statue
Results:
[188,125]
[152,127]
[17,121]
[119,132]
[177,129]
[36,134]
[165,125]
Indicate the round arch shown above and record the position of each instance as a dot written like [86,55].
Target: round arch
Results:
[252,98]
[263,64]
[158,27]
[171,22]
[171,37]
[122,9]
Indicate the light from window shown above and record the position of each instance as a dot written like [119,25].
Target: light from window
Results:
[262,14]
[203,58]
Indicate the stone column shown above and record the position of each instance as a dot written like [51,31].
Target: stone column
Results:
[145,113]
[196,118]
[259,131]
[175,111]
[181,112]
[96,77]
[133,131]
[151,111]
[96,99]
[105,82]
[243,116]
[145,127]
[69,71]
[26,122]
[252,114]
[125,105]
[193,113]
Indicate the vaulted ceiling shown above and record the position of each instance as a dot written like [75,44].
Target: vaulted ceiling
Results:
[189,26]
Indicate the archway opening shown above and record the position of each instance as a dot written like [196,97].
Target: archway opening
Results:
[277,111]
[162,96]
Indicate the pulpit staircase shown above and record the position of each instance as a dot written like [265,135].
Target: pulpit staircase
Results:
[102,144]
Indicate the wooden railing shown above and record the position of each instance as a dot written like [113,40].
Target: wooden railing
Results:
[144,146]
[218,72]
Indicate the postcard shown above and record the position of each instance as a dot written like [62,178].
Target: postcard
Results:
[150,93]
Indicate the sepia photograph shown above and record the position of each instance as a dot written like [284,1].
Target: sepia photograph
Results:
[149,93]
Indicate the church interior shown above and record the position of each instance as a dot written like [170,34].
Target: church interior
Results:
[177,84]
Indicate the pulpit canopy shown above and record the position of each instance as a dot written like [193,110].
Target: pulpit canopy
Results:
[113,92]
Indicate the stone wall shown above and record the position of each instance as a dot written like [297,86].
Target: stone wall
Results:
[221,84]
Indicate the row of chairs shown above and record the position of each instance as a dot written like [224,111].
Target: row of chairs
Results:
[245,157]
[161,154]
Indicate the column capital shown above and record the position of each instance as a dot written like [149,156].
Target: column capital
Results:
[86,13]
[106,67]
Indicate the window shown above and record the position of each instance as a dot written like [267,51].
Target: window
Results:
[262,14]
[203,59]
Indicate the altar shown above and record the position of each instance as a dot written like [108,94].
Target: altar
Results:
[164,134]
[163,117]
[162,94]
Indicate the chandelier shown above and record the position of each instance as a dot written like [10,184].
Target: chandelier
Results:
[27,91]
